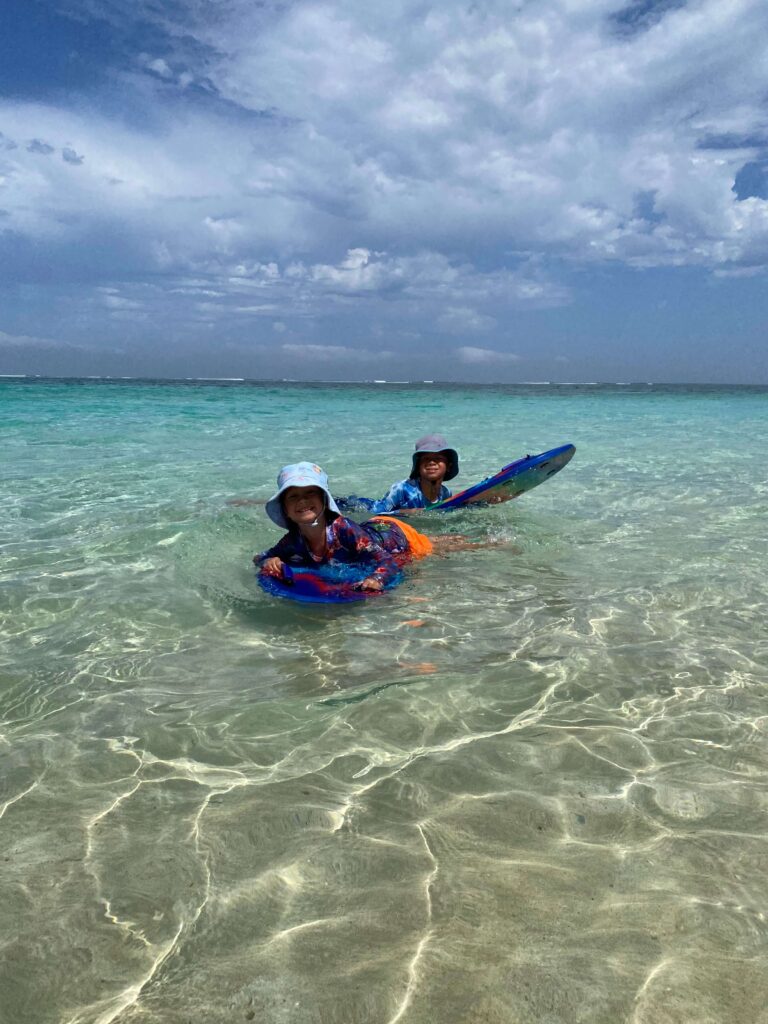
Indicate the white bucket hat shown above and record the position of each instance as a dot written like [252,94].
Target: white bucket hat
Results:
[299,474]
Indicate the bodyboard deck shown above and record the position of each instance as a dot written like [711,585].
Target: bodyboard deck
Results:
[512,480]
[327,584]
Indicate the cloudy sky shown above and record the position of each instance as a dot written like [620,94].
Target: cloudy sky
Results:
[489,190]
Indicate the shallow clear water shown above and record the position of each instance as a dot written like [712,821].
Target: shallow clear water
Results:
[530,785]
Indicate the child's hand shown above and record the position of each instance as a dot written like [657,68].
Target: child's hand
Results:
[272,567]
[371,583]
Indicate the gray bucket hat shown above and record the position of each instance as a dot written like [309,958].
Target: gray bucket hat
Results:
[435,443]
[299,474]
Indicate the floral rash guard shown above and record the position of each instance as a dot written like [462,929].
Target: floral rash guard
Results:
[405,494]
[384,546]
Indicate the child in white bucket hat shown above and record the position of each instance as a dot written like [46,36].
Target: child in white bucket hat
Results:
[301,475]
[317,532]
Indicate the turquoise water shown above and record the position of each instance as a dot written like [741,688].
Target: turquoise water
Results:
[531,785]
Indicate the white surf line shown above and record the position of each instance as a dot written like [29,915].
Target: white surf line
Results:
[682,695]
[88,864]
[285,932]
[24,720]
[413,974]
[636,774]
[204,858]
[521,721]
[742,909]
[19,796]
[296,764]
[660,966]
[143,760]
[572,730]
[622,852]
[717,833]
[129,995]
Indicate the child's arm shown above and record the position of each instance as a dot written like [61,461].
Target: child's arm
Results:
[396,497]
[271,561]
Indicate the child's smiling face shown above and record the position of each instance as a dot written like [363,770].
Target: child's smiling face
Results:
[432,466]
[303,505]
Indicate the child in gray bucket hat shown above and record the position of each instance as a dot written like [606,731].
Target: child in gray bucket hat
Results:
[432,462]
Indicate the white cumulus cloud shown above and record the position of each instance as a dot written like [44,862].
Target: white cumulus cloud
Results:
[359,170]
[484,356]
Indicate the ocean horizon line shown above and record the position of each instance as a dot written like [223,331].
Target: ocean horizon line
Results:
[416,382]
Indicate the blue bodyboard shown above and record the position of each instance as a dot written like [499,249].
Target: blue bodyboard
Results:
[513,480]
[327,584]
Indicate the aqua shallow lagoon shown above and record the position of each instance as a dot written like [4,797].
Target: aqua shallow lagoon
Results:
[530,785]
